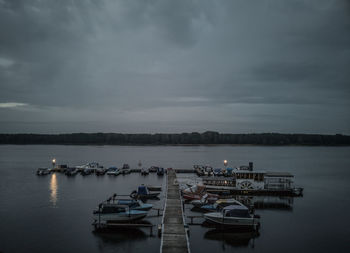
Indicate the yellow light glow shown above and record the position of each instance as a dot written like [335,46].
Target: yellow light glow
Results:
[54,160]
[225,162]
[53,189]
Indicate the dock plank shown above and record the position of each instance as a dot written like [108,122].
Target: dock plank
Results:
[174,238]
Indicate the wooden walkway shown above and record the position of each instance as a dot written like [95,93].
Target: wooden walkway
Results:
[174,236]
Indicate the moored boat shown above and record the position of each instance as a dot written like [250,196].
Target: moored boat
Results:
[43,171]
[143,193]
[154,188]
[243,180]
[237,216]
[153,169]
[71,171]
[144,171]
[125,169]
[205,200]
[160,171]
[100,171]
[117,213]
[196,192]
[134,204]
[113,171]
[219,205]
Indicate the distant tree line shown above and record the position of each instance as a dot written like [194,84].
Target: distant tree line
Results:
[194,138]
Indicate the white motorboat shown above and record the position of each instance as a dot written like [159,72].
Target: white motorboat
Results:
[113,171]
[43,171]
[144,171]
[125,169]
[117,213]
[234,215]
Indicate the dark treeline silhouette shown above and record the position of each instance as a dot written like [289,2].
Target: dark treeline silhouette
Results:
[176,139]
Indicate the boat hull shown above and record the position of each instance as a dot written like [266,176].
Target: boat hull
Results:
[119,218]
[237,222]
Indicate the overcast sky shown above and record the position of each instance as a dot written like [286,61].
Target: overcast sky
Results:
[175,66]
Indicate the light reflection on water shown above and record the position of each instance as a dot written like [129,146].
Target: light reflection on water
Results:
[66,203]
[53,189]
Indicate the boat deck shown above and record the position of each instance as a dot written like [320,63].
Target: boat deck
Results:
[174,236]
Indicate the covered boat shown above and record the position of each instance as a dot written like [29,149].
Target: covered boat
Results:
[117,213]
[143,193]
[219,205]
[237,216]
[134,204]
[154,188]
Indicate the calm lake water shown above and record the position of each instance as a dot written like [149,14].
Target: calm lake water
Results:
[54,213]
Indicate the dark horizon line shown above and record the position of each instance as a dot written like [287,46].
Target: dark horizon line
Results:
[191,132]
[193,138]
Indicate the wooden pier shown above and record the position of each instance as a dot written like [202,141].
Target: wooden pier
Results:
[174,236]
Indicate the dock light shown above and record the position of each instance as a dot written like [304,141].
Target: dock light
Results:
[53,162]
[225,162]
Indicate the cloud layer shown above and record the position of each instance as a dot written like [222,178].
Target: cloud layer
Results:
[175,66]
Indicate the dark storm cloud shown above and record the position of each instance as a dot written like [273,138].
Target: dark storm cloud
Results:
[174,65]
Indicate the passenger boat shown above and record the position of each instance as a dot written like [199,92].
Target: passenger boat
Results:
[143,193]
[117,213]
[43,171]
[247,181]
[237,216]
[144,171]
[113,171]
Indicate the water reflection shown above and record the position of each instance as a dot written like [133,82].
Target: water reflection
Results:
[108,239]
[53,189]
[234,238]
[267,202]
[258,203]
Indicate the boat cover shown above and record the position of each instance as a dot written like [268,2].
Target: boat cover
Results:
[142,190]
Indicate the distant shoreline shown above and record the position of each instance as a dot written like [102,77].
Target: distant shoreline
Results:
[208,138]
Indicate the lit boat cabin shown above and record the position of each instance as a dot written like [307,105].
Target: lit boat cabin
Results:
[278,180]
[215,181]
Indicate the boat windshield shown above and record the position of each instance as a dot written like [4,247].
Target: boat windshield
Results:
[237,213]
[113,209]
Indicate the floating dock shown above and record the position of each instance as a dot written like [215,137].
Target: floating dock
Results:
[174,236]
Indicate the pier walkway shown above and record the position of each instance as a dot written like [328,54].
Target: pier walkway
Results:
[174,236]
